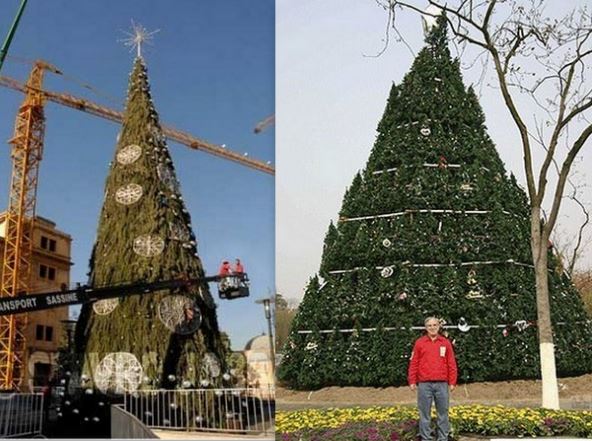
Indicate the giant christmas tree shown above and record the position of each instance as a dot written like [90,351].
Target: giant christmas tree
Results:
[163,339]
[431,226]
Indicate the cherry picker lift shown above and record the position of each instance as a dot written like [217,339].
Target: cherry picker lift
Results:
[231,286]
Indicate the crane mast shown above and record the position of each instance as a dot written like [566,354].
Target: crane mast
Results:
[27,150]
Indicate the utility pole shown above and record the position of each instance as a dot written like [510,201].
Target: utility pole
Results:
[267,306]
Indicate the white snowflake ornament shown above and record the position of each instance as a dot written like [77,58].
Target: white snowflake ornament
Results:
[148,245]
[179,314]
[118,372]
[105,307]
[129,194]
[129,155]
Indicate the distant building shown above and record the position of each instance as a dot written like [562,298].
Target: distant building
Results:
[50,269]
[259,365]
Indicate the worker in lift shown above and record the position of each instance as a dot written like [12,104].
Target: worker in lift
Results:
[225,272]
[225,269]
[239,269]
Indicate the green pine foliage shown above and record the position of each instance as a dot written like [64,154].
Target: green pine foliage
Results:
[432,152]
[134,326]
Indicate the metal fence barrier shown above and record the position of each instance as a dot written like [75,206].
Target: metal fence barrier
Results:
[21,415]
[236,410]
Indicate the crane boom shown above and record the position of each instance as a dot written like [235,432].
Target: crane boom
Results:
[116,116]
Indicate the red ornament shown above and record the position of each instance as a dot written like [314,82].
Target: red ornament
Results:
[442,162]
[505,332]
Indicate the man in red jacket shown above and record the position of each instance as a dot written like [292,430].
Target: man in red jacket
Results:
[432,370]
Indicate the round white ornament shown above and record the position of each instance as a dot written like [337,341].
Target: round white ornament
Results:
[179,314]
[118,372]
[129,194]
[148,245]
[129,155]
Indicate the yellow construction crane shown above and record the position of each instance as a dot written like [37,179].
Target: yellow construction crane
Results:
[27,149]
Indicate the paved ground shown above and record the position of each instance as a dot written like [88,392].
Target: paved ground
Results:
[175,434]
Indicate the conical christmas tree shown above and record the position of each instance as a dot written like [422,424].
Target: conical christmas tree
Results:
[432,226]
[161,339]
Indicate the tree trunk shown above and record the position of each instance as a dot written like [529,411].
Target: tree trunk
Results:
[546,348]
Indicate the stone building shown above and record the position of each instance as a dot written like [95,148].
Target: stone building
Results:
[50,270]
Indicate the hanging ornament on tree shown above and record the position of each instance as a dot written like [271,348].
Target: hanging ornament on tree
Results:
[105,307]
[471,280]
[442,162]
[521,325]
[425,131]
[386,243]
[311,346]
[474,294]
[466,187]
[387,271]
[118,372]
[148,245]
[211,365]
[475,291]
[505,332]
[179,314]
[129,155]
[402,296]
[179,232]
[463,326]
[128,194]
[167,177]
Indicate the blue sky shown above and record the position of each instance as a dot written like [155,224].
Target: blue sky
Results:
[211,70]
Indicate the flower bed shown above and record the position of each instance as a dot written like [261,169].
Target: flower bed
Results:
[400,423]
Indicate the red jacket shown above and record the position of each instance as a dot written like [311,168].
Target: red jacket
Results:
[224,269]
[432,361]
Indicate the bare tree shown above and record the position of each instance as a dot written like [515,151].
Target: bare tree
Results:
[570,249]
[285,312]
[545,59]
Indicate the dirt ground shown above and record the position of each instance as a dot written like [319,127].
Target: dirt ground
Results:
[574,393]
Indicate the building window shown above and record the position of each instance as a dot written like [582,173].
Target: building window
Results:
[39,332]
[48,244]
[44,333]
[47,272]
[48,333]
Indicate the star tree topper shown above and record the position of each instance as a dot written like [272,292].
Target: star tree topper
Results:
[137,36]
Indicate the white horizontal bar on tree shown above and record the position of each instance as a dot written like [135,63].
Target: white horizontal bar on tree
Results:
[425,210]
[437,265]
[425,164]
[421,328]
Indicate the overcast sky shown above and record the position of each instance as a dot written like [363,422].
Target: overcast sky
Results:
[330,96]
